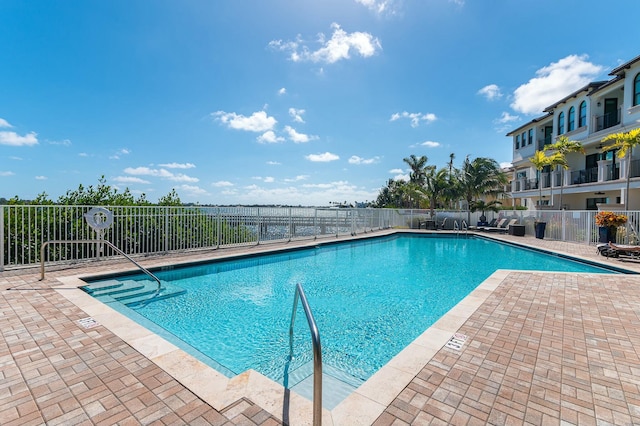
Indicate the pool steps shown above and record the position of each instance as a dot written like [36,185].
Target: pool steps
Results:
[131,292]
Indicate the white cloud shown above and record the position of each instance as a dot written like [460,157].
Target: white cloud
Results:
[83,154]
[338,47]
[178,165]
[402,176]
[14,139]
[120,152]
[282,91]
[491,92]
[257,122]
[296,115]
[183,178]
[298,137]
[505,165]
[415,117]
[222,184]
[130,179]
[273,163]
[6,173]
[380,7]
[554,82]
[270,137]
[41,177]
[268,179]
[192,190]
[65,142]
[396,171]
[4,123]
[161,173]
[507,118]
[431,144]
[354,159]
[322,158]
[297,178]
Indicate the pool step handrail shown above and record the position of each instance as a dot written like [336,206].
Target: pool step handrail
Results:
[317,351]
[110,244]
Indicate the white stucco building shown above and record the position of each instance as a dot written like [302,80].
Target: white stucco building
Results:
[586,116]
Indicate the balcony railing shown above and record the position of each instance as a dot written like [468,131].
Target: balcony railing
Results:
[634,169]
[605,121]
[613,172]
[546,180]
[544,141]
[584,176]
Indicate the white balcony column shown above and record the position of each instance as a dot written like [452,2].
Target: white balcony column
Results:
[624,168]
[566,174]
[602,169]
[523,182]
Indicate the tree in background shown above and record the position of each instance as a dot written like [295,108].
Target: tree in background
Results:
[539,161]
[558,157]
[624,143]
[479,177]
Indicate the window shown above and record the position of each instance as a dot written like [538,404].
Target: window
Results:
[524,139]
[530,136]
[517,141]
[561,123]
[582,119]
[636,90]
[571,121]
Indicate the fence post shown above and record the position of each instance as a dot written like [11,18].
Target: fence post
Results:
[2,252]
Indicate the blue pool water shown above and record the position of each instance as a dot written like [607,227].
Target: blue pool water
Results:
[370,299]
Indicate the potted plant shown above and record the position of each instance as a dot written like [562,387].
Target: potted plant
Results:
[608,223]
[483,206]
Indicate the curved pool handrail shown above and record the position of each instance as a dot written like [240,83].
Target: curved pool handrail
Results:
[317,351]
[110,244]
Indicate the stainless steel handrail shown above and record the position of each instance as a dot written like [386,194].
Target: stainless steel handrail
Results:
[109,243]
[317,352]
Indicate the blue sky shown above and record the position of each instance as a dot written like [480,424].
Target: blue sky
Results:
[294,102]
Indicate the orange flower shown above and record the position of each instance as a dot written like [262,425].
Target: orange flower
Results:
[610,219]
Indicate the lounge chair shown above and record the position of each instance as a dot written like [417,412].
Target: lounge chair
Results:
[504,228]
[500,226]
[493,223]
[617,250]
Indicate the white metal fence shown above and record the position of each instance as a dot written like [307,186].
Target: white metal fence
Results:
[140,231]
[144,230]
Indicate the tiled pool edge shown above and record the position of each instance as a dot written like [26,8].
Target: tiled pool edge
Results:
[363,406]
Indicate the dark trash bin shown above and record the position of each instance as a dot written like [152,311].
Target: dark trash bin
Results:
[539,228]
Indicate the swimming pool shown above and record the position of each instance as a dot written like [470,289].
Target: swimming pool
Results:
[370,298]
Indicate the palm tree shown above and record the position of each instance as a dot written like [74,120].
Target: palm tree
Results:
[482,176]
[624,143]
[484,206]
[435,188]
[418,166]
[562,147]
[539,161]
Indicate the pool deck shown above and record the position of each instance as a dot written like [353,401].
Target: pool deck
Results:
[540,348]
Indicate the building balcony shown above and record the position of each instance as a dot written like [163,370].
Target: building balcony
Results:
[584,176]
[605,121]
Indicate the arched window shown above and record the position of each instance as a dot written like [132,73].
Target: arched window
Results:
[582,119]
[636,90]
[561,123]
[571,121]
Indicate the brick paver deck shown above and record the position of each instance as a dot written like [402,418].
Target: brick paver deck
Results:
[544,348]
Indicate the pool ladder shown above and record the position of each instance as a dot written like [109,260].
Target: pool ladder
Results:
[462,227]
[317,351]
